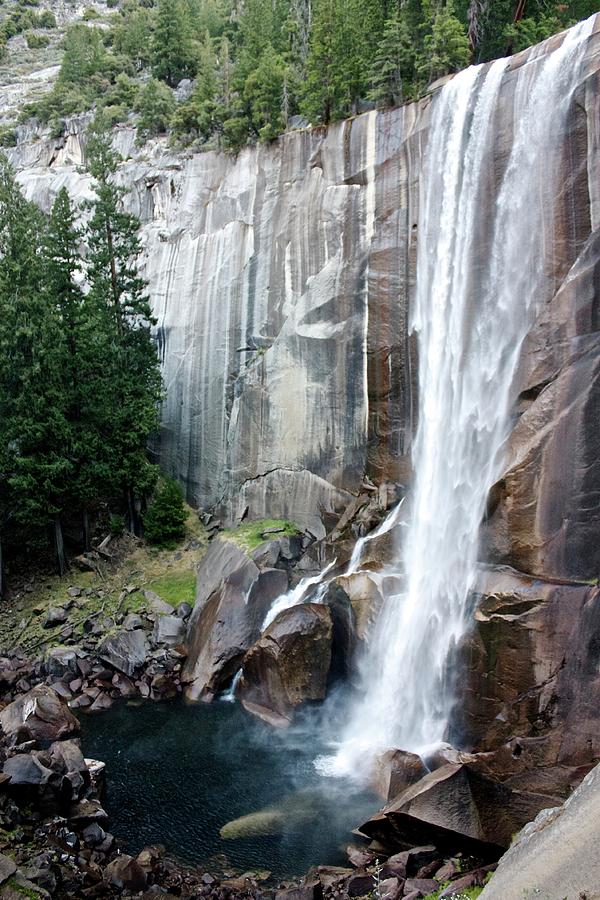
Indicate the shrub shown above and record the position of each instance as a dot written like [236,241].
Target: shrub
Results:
[164,523]
[36,41]
[45,19]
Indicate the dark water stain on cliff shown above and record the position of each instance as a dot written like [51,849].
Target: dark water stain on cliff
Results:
[177,774]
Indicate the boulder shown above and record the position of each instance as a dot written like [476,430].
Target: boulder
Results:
[222,628]
[61,661]
[125,650]
[125,873]
[169,630]
[266,555]
[27,770]
[407,863]
[184,611]
[132,621]
[556,855]
[457,808]
[288,665]
[157,605]
[394,771]
[38,715]
[56,615]
[7,867]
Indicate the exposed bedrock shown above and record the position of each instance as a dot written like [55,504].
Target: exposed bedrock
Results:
[532,688]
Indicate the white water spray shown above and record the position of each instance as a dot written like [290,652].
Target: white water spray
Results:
[483,263]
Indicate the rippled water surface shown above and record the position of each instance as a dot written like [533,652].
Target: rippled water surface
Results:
[178,773]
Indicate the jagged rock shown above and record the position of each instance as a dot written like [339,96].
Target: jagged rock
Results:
[27,770]
[157,605]
[38,715]
[61,661]
[125,650]
[288,665]
[125,872]
[530,669]
[421,887]
[7,867]
[184,611]
[169,630]
[394,771]
[266,555]
[68,759]
[407,863]
[132,621]
[390,889]
[457,806]
[222,628]
[85,812]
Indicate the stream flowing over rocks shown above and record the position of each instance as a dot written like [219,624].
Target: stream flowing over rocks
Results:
[283,281]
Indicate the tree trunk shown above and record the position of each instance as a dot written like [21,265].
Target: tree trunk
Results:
[87,543]
[61,559]
[133,514]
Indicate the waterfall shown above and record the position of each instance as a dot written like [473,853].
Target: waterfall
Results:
[484,261]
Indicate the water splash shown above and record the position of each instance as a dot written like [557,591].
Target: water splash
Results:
[484,260]
[300,594]
[390,521]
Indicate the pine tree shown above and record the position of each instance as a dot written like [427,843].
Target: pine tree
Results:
[128,387]
[394,65]
[446,47]
[264,91]
[201,115]
[35,434]
[155,105]
[173,48]
[322,95]
[165,520]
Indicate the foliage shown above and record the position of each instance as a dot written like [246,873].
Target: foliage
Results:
[155,105]
[256,63]
[165,520]
[36,41]
[173,50]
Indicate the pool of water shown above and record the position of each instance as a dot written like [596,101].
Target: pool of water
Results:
[177,774]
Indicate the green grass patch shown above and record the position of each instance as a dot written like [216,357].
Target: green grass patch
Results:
[176,587]
[250,535]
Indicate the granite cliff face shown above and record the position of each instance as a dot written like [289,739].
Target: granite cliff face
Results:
[282,283]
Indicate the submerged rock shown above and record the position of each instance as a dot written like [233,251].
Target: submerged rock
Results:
[290,814]
[288,665]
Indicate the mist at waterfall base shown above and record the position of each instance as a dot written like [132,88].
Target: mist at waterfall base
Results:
[176,774]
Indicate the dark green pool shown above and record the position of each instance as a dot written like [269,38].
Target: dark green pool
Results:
[178,773]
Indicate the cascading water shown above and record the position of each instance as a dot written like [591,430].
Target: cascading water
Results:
[483,264]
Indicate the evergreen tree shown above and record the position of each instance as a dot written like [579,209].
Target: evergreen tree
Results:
[394,65]
[265,91]
[128,386]
[201,115]
[34,429]
[165,520]
[446,47]
[155,105]
[173,47]
[323,91]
